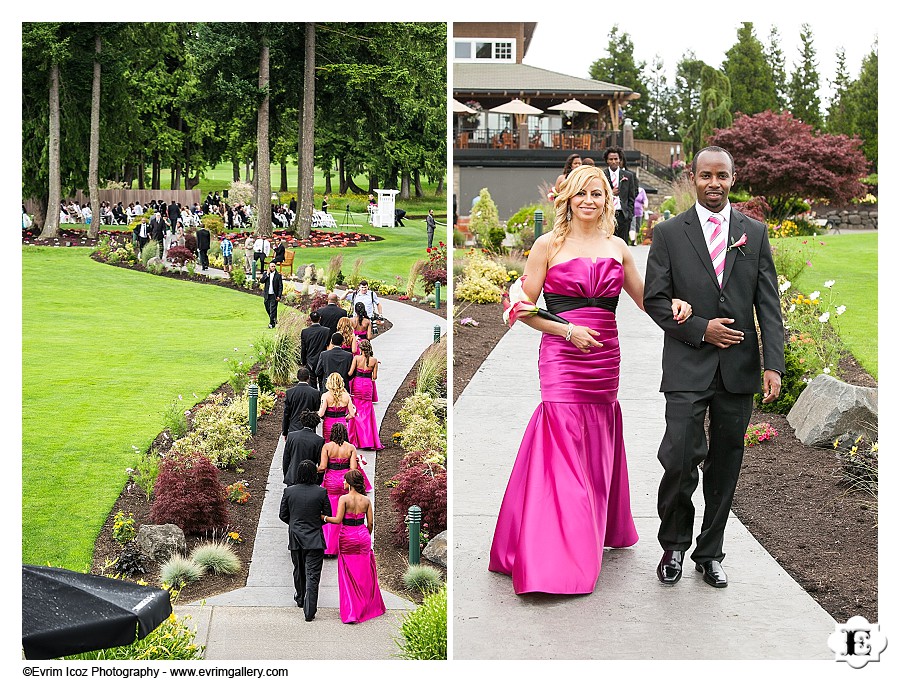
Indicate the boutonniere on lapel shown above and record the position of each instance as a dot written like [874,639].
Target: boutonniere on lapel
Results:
[738,244]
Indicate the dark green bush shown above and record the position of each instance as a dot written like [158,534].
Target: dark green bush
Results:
[792,385]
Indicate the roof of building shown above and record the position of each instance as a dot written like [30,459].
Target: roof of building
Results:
[522,79]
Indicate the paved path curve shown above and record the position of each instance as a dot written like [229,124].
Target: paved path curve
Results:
[762,614]
[261,621]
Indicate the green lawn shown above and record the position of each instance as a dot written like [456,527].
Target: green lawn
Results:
[851,260]
[104,350]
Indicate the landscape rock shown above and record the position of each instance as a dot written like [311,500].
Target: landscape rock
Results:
[160,543]
[436,549]
[828,408]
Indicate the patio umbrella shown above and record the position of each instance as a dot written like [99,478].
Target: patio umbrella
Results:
[573,105]
[65,612]
[516,106]
[460,108]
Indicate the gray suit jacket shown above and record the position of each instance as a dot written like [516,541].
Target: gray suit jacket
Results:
[679,266]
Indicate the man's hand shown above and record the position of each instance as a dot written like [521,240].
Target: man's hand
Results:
[771,386]
[721,336]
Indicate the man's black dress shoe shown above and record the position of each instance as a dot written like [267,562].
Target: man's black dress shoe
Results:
[310,618]
[713,573]
[669,569]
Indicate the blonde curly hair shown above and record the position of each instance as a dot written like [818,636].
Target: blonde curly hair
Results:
[345,328]
[577,180]
[335,384]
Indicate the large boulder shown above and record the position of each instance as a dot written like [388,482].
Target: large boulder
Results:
[828,408]
[160,543]
[436,549]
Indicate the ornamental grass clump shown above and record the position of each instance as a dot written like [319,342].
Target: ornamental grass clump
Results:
[217,558]
[423,632]
[432,369]
[175,420]
[286,348]
[422,578]
[178,571]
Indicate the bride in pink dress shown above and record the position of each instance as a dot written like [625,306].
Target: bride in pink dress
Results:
[360,596]
[568,496]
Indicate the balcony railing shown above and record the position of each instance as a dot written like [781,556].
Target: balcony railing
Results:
[576,140]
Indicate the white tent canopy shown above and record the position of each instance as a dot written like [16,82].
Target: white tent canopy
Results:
[573,105]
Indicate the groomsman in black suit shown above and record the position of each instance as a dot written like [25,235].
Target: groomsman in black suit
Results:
[331,313]
[313,340]
[203,239]
[303,444]
[158,232]
[303,507]
[299,399]
[624,188]
[335,359]
[719,261]
[272,288]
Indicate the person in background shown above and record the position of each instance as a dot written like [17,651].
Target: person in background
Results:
[227,254]
[641,204]
[572,162]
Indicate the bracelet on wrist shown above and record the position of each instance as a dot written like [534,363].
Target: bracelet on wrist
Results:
[569,330]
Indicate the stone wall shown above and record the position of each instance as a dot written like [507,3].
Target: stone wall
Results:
[854,218]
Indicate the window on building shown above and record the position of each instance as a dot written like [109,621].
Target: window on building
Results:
[481,50]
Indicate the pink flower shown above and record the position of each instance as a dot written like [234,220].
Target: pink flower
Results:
[739,243]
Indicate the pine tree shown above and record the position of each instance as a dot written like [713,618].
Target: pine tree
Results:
[686,94]
[804,99]
[864,94]
[714,112]
[620,68]
[775,56]
[840,110]
[750,74]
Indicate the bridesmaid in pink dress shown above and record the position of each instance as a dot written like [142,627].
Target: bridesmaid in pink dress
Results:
[338,408]
[360,596]
[363,372]
[338,457]
[568,496]
[345,329]
[362,328]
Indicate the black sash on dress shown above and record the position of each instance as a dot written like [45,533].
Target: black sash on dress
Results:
[336,414]
[352,522]
[339,465]
[560,303]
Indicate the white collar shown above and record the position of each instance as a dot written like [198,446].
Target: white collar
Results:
[704,213]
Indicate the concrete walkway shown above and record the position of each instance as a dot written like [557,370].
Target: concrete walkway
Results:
[762,614]
[261,621]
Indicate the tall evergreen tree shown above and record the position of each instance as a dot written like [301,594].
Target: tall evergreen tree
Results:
[620,68]
[661,101]
[804,87]
[864,94]
[750,74]
[840,116]
[686,95]
[775,57]
[714,112]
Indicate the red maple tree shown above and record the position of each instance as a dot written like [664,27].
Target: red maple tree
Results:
[783,159]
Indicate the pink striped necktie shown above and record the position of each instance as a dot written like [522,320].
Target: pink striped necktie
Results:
[717,247]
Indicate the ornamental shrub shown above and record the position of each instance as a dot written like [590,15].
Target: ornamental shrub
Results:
[238,276]
[213,222]
[423,632]
[424,485]
[172,640]
[180,255]
[188,493]
[478,290]
[484,216]
[216,435]
[432,275]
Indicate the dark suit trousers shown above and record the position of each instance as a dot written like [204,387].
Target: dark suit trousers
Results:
[307,572]
[623,225]
[271,304]
[683,448]
[204,258]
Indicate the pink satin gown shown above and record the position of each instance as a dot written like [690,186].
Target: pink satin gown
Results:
[568,496]
[364,425]
[360,596]
[333,482]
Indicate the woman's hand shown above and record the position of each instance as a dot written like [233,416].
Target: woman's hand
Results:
[583,338]
[681,310]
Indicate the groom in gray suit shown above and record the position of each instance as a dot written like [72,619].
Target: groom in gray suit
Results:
[720,261]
